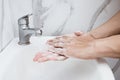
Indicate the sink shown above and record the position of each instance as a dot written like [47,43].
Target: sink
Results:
[16,63]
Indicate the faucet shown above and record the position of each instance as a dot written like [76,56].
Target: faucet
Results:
[25,32]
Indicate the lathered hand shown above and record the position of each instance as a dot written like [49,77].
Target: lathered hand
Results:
[54,53]
[79,46]
[76,45]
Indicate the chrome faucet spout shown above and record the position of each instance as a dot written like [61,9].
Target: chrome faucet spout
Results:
[25,32]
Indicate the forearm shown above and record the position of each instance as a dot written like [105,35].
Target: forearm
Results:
[111,27]
[108,47]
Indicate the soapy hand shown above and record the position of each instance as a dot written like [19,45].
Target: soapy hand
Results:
[51,55]
[79,45]
[48,56]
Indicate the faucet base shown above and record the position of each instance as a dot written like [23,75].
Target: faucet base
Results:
[27,43]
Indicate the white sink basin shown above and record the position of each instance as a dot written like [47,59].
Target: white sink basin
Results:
[16,63]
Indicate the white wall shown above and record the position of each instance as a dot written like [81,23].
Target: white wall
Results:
[6,27]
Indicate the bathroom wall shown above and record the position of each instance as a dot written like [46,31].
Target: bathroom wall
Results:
[6,27]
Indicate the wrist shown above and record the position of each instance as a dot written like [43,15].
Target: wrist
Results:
[90,36]
[101,32]
[103,49]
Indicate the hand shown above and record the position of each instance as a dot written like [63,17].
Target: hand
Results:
[80,46]
[68,46]
[51,55]
[48,56]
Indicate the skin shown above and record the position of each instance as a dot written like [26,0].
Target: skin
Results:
[103,41]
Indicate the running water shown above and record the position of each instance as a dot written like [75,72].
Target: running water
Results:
[37,12]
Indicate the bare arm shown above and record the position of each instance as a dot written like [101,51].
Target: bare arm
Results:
[108,47]
[111,27]
[108,38]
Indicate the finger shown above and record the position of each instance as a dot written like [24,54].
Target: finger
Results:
[56,45]
[43,59]
[60,39]
[60,42]
[53,41]
[52,57]
[78,33]
[61,58]
[59,51]
[59,45]
[37,56]
[56,57]
[40,55]
[43,56]
[49,41]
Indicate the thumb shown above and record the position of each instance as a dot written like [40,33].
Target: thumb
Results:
[78,33]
